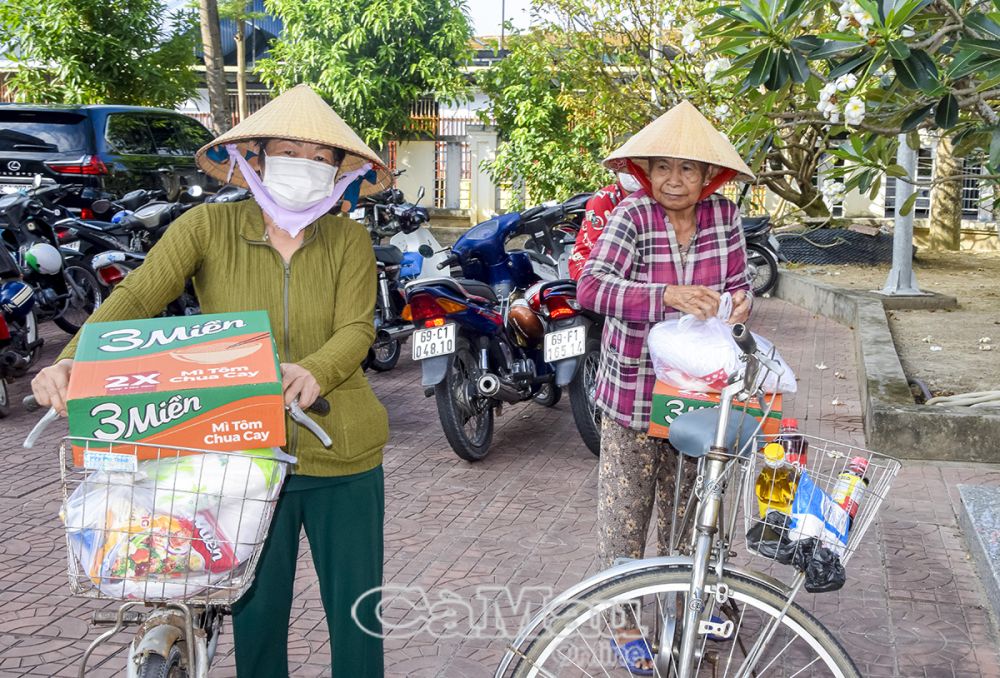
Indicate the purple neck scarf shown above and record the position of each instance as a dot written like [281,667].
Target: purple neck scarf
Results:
[290,221]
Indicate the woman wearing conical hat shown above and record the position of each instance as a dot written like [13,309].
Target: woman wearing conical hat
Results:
[315,276]
[668,249]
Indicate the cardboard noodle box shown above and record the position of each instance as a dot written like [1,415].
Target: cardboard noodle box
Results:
[669,403]
[202,381]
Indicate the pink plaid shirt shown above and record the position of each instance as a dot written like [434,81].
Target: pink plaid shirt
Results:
[635,259]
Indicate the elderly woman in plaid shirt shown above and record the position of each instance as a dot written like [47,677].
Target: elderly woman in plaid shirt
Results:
[669,249]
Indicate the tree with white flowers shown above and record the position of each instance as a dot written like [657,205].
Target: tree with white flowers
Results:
[796,84]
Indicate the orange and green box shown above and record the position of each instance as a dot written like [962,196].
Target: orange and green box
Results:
[669,403]
[202,381]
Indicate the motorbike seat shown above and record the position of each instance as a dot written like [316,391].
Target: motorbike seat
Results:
[478,288]
[105,226]
[462,286]
[390,255]
[756,224]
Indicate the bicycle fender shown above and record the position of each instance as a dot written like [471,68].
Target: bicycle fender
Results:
[157,640]
[433,370]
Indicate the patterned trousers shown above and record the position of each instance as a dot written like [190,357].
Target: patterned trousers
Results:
[636,472]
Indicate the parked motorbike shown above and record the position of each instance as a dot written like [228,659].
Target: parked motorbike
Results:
[19,341]
[66,289]
[140,218]
[413,252]
[763,251]
[479,342]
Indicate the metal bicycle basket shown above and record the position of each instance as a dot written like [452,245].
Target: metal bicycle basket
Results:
[159,524]
[814,503]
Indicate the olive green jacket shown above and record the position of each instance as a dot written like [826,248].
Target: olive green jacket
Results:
[321,306]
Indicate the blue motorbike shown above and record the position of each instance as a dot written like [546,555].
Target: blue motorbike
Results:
[479,337]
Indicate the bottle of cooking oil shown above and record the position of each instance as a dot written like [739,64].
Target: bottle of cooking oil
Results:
[777,481]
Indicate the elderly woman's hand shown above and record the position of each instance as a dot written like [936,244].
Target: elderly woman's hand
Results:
[298,383]
[741,308]
[701,302]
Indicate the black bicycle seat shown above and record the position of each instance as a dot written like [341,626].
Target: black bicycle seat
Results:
[693,433]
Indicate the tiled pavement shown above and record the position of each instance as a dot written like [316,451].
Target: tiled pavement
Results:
[524,519]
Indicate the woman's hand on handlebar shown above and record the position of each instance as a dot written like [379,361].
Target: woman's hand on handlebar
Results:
[298,383]
[701,302]
[741,308]
[50,384]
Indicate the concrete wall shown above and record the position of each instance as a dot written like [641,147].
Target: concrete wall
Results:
[417,158]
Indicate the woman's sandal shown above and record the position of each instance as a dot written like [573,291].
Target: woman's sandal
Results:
[631,653]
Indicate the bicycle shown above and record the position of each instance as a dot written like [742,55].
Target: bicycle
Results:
[695,612]
[174,502]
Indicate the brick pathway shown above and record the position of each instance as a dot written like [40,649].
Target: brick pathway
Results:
[524,518]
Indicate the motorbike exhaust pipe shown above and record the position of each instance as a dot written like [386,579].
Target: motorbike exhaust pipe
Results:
[488,385]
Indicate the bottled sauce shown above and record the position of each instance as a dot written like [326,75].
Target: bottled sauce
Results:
[776,483]
[796,447]
[850,487]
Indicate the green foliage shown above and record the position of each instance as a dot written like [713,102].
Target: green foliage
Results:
[546,138]
[99,51]
[371,59]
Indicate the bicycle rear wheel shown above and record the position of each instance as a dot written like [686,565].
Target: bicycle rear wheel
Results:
[576,641]
[157,666]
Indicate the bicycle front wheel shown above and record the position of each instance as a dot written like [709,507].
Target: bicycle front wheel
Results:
[578,639]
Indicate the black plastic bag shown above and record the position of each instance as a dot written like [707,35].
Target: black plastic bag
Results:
[822,567]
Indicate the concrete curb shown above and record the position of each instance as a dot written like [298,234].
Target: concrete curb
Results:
[894,423]
[979,518]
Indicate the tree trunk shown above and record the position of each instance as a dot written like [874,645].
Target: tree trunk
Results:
[215,76]
[946,199]
[241,68]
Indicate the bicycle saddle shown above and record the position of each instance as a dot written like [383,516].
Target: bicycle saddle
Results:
[693,432]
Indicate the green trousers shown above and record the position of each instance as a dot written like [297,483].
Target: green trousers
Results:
[343,522]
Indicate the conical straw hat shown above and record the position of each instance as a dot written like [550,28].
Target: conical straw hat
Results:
[301,115]
[681,132]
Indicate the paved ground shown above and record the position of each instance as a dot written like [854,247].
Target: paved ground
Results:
[524,519]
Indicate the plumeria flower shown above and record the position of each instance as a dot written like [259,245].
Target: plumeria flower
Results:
[907,32]
[689,39]
[722,111]
[854,111]
[668,20]
[846,82]
[713,67]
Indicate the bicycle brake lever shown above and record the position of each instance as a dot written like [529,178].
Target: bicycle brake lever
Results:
[302,419]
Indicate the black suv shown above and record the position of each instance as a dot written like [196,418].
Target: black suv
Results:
[113,149]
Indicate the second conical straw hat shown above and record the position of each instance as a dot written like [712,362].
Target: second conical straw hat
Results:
[301,115]
[681,132]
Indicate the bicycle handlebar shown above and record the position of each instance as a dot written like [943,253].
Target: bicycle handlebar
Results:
[743,338]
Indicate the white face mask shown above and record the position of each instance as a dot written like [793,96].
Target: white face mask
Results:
[297,183]
[629,182]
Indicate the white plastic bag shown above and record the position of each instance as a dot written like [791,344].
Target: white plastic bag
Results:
[175,526]
[699,355]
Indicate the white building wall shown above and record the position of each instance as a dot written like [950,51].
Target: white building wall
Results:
[417,158]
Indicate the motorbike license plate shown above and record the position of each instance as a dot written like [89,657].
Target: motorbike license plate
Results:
[434,341]
[565,344]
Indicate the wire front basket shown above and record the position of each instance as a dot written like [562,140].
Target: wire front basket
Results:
[159,524]
[820,494]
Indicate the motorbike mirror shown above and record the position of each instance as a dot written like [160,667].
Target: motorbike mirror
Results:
[420,194]
[426,251]
[101,206]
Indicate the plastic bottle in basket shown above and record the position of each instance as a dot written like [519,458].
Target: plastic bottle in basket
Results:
[776,482]
[796,447]
[850,487]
